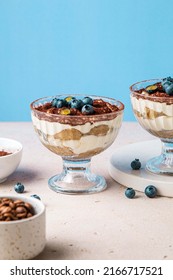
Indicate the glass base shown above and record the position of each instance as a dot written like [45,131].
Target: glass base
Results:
[160,165]
[77,178]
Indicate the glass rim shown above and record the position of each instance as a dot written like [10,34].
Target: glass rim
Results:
[149,96]
[145,81]
[116,102]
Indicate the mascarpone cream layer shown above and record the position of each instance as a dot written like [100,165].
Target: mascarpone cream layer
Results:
[52,128]
[86,142]
[140,104]
[161,122]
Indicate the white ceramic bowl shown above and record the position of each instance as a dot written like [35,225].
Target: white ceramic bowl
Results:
[23,239]
[9,163]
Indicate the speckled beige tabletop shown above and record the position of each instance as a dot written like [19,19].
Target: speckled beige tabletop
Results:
[99,226]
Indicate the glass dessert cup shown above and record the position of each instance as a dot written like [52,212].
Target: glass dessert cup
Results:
[76,138]
[155,115]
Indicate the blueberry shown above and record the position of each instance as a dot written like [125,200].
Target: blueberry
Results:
[136,164]
[80,103]
[54,101]
[59,103]
[76,103]
[169,89]
[87,110]
[35,196]
[166,84]
[151,191]
[130,193]
[169,79]
[68,100]
[19,188]
[87,100]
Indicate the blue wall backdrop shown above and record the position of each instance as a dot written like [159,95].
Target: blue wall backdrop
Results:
[80,46]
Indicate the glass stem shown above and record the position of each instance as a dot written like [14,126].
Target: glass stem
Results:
[76,178]
[167,152]
[76,166]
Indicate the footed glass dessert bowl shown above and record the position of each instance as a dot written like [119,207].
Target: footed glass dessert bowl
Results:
[152,102]
[77,128]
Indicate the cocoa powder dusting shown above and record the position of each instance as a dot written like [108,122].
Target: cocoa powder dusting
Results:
[102,111]
[4,153]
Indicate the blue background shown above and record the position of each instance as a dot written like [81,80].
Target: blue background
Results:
[80,46]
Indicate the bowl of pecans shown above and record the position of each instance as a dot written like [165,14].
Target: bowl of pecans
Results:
[22,227]
[10,157]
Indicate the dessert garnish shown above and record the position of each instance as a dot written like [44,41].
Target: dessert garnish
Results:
[72,106]
[136,164]
[165,88]
[167,85]
[151,191]
[130,193]
[87,100]
[87,109]
[19,188]
[152,88]
[64,111]
[12,210]
[4,153]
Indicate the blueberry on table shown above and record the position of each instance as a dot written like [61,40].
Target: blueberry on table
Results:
[130,193]
[19,188]
[87,109]
[136,164]
[87,100]
[35,196]
[151,191]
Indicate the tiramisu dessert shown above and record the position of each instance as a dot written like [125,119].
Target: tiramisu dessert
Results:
[77,127]
[152,103]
